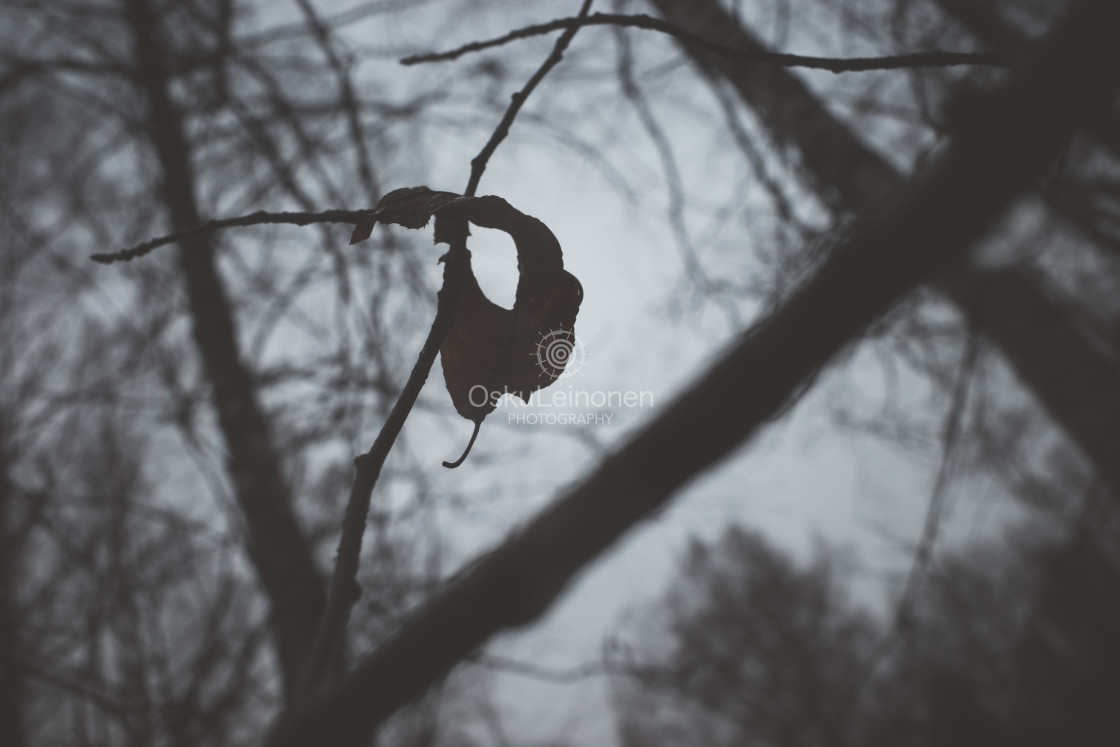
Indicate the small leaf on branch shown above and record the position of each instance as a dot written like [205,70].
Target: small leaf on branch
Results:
[491,351]
[363,229]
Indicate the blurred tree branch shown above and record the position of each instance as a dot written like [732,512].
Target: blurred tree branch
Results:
[984,19]
[1078,386]
[277,547]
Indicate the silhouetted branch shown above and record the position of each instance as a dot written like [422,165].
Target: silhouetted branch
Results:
[344,589]
[478,163]
[935,58]
[252,219]
[988,163]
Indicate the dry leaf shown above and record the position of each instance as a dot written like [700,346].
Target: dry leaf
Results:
[491,350]
[411,207]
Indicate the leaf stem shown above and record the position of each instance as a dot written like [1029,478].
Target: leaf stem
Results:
[470,444]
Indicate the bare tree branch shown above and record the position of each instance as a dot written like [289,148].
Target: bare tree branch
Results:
[935,58]
[344,589]
[252,219]
[1077,386]
[989,162]
[478,163]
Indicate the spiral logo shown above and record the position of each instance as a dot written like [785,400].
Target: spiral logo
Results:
[560,353]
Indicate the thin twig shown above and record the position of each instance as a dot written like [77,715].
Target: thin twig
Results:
[694,269]
[478,163]
[578,673]
[253,219]
[931,525]
[347,98]
[935,58]
[344,589]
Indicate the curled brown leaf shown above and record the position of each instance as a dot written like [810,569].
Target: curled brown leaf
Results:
[492,351]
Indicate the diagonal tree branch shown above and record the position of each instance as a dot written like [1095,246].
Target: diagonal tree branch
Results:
[934,58]
[986,166]
[1077,385]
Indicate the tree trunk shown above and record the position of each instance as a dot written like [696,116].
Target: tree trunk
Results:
[279,552]
[982,19]
[11,711]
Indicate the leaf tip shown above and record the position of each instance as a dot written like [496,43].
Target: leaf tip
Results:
[363,229]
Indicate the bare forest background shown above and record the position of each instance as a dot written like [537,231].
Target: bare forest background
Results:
[877,242]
